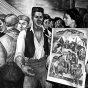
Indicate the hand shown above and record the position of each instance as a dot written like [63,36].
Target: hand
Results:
[26,70]
[48,61]
[49,39]
[86,68]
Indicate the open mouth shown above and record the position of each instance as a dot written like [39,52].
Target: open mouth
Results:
[39,22]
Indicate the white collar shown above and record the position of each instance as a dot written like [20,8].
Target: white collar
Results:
[31,29]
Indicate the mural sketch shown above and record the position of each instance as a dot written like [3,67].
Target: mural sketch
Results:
[68,55]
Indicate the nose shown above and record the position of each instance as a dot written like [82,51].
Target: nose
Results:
[20,25]
[39,18]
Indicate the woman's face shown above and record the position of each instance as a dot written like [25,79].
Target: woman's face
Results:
[67,19]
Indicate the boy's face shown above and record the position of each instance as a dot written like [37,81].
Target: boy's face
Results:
[38,18]
[22,25]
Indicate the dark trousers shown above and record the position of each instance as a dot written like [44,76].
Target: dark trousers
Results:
[40,72]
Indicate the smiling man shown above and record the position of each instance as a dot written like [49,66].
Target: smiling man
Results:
[32,51]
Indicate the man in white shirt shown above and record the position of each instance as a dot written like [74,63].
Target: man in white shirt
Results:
[32,51]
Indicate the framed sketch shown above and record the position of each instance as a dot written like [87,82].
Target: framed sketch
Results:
[68,56]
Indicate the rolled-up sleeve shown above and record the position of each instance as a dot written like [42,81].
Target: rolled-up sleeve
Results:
[20,47]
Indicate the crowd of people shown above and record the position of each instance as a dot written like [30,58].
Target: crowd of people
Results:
[25,47]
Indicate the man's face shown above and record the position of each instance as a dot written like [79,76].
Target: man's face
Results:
[22,25]
[38,18]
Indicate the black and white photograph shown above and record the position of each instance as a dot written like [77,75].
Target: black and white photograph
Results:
[26,28]
[68,56]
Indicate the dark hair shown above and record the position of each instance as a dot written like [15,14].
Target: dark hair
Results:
[57,18]
[23,17]
[75,15]
[37,9]
[47,16]
[11,20]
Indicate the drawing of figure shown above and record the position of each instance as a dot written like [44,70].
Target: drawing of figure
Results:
[54,65]
[68,61]
[74,59]
[73,46]
[77,74]
[82,53]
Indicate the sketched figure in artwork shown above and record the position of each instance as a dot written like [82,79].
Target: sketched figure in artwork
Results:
[81,53]
[74,59]
[58,44]
[68,61]
[77,74]
[58,66]
[54,65]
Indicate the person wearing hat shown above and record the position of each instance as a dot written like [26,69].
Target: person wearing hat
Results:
[23,23]
[32,51]
[12,76]
[72,18]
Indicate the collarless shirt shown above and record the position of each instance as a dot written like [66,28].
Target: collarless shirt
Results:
[20,48]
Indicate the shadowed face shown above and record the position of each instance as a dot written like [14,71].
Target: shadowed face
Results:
[38,18]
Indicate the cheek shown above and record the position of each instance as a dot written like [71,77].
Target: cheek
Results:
[19,25]
[34,20]
[41,19]
[24,26]
[67,22]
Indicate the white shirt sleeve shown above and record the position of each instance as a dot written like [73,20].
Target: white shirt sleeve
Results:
[20,47]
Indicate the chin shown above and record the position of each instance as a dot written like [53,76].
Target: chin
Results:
[39,25]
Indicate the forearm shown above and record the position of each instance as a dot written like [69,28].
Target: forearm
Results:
[20,61]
